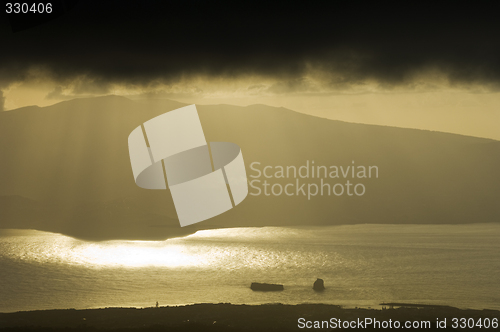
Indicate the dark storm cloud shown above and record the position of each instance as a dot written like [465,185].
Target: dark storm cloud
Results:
[138,42]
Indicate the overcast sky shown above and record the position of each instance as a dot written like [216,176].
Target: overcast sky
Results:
[421,66]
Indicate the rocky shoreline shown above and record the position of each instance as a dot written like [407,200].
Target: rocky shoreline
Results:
[229,317]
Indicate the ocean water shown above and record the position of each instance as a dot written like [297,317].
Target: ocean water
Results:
[362,265]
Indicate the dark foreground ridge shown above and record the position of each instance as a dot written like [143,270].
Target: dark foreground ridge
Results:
[229,317]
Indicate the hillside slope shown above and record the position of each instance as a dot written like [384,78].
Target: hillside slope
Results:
[70,162]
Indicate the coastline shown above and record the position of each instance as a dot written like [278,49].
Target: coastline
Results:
[229,317]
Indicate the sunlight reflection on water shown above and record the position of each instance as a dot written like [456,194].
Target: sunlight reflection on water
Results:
[211,248]
[56,248]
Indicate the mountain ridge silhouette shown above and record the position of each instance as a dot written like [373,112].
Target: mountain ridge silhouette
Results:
[70,163]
